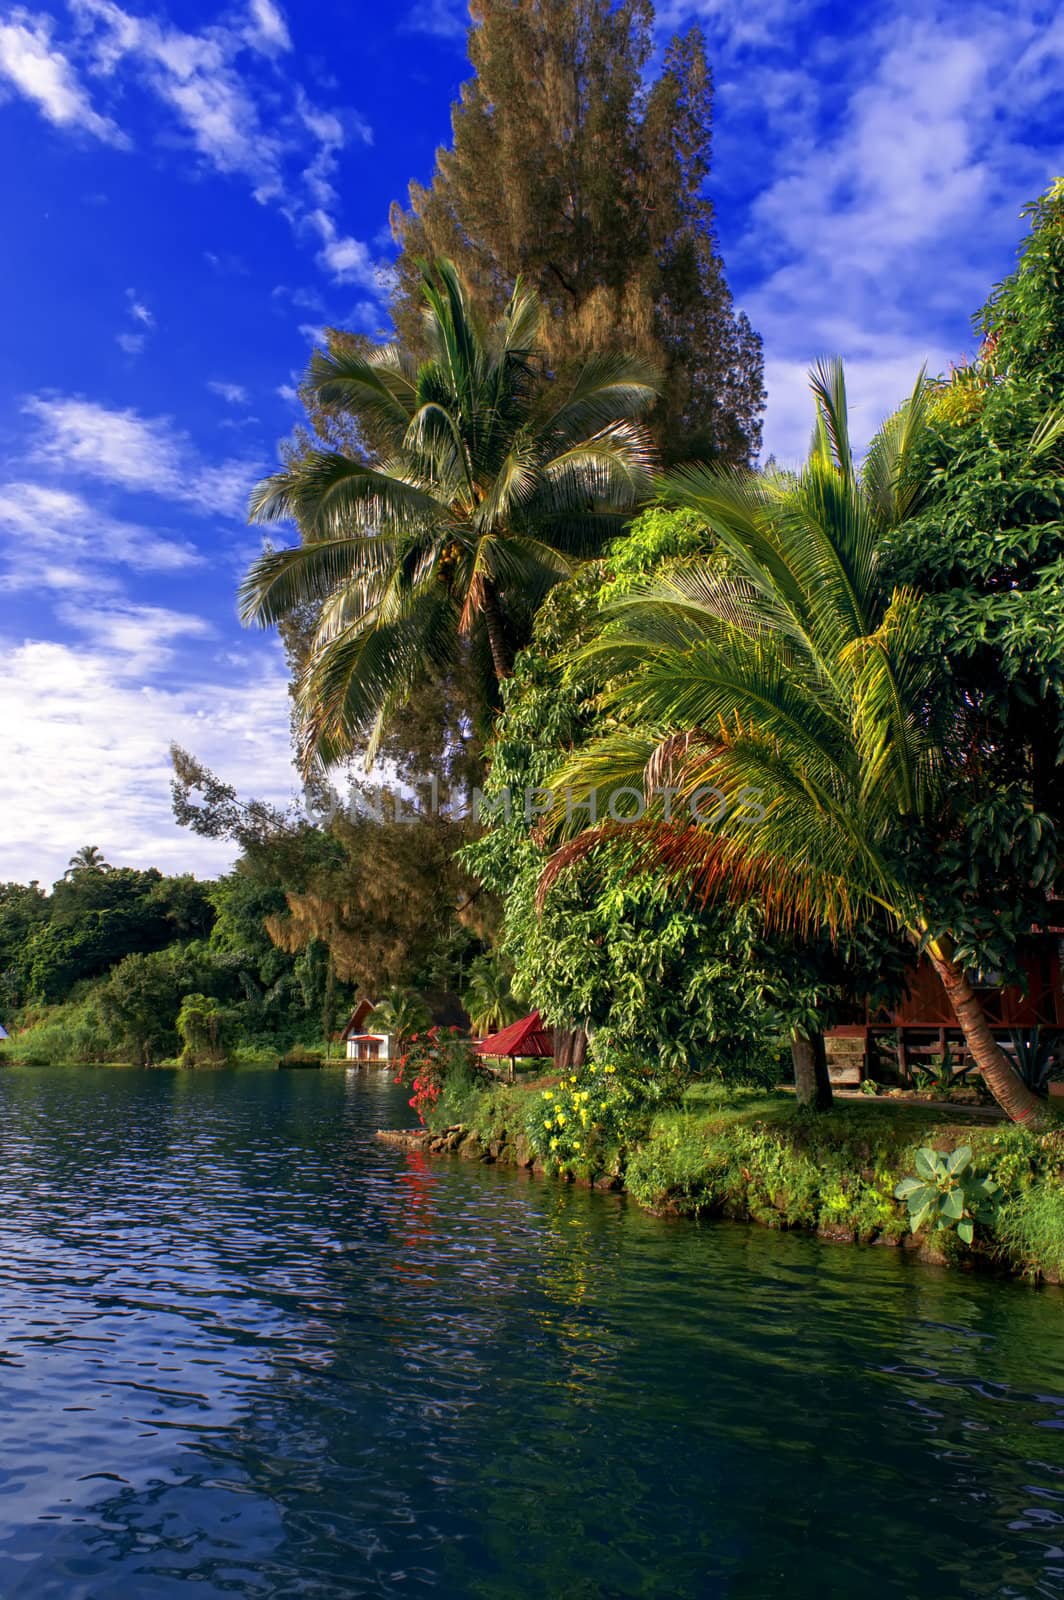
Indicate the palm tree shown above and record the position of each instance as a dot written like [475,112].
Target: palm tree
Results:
[491,481]
[789,675]
[88,859]
[488,997]
[401,1015]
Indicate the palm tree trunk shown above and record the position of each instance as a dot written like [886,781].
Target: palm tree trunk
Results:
[1000,1077]
[812,1085]
[493,618]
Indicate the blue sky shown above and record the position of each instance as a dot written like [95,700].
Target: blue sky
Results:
[190,194]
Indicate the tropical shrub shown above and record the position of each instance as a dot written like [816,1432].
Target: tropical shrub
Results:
[949,1194]
[433,1060]
[203,1026]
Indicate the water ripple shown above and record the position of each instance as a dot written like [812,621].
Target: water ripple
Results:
[244,1349]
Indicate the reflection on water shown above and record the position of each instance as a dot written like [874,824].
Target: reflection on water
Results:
[244,1349]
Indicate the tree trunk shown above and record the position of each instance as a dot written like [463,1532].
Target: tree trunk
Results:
[570,1048]
[493,618]
[811,1081]
[1001,1078]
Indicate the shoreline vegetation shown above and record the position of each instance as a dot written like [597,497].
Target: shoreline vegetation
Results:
[756,1156]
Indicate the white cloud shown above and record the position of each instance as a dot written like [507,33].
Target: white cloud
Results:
[45,76]
[443,19]
[890,167]
[87,729]
[287,392]
[78,539]
[194,74]
[744,24]
[330,129]
[234,394]
[347,260]
[138,310]
[134,343]
[141,635]
[269,30]
[145,454]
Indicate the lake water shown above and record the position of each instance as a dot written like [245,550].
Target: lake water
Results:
[246,1350]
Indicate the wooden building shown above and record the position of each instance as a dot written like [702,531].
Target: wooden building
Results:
[361,1044]
[923,1026]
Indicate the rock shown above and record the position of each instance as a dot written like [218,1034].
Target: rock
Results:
[404,1138]
[523,1152]
[608,1180]
[469,1149]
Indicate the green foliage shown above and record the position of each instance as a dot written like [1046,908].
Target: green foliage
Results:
[948,1193]
[72,1032]
[688,988]
[202,1025]
[987,541]
[659,536]
[23,909]
[141,999]
[496,477]
[1038,1056]
[94,916]
[435,1061]
[585,1122]
[488,996]
[401,1014]
[798,676]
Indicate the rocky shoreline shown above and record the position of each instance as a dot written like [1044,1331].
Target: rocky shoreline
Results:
[464,1143]
[460,1141]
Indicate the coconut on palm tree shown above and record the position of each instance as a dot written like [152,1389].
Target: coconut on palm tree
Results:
[793,707]
[491,480]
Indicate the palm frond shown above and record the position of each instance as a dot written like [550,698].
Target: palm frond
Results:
[607,389]
[380,385]
[613,466]
[330,495]
[828,383]
[886,476]
[281,580]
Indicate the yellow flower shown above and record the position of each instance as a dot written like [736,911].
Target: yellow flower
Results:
[561,1120]
[576,1146]
[554,1144]
[548,1094]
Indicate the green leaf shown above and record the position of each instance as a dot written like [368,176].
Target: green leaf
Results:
[965,1231]
[953,1205]
[927,1163]
[960,1159]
